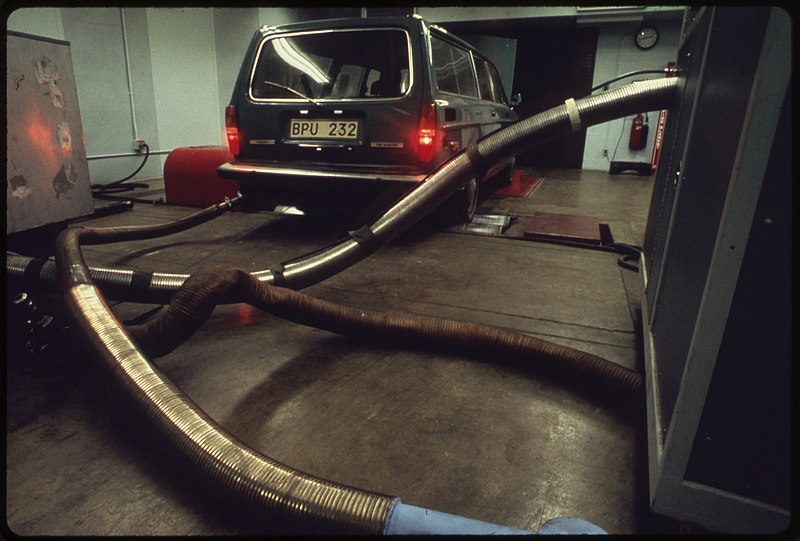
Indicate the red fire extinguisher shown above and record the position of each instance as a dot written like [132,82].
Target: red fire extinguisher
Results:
[639,129]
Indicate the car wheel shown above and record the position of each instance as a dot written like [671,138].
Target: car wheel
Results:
[506,176]
[470,199]
[462,206]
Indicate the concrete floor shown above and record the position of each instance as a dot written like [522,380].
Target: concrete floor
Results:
[459,435]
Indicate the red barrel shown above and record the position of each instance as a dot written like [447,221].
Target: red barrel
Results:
[190,176]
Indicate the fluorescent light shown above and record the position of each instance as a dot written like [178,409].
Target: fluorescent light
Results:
[295,58]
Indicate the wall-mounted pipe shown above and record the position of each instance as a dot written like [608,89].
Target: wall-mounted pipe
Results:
[158,287]
[128,72]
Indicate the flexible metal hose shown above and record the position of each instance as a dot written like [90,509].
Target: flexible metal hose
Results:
[263,485]
[158,287]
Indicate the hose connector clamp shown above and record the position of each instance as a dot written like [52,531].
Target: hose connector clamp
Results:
[574,115]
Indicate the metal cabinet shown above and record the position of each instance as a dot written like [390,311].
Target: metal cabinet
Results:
[716,271]
[46,169]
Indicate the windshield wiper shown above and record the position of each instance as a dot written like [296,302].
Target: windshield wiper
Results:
[293,91]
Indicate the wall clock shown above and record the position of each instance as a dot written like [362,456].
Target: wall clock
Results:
[646,37]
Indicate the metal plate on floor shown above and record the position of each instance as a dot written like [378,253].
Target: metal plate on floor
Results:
[574,228]
[485,224]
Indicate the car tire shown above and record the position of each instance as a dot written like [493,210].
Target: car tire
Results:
[462,205]
[506,176]
[469,199]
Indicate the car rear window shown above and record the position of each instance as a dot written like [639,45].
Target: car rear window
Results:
[336,64]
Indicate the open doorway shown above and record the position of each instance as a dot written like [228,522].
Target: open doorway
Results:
[553,64]
[550,63]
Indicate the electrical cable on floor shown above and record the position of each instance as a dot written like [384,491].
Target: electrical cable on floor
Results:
[116,186]
[628,253]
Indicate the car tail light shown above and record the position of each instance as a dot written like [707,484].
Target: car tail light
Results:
[426,135]
[232,129]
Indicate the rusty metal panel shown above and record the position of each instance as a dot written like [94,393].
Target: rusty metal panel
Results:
[46,169]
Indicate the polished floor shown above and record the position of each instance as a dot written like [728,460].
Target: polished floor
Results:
[461,435]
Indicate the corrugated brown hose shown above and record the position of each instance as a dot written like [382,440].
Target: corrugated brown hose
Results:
[195,301]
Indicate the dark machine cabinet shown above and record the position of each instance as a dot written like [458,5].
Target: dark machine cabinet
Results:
[716,274]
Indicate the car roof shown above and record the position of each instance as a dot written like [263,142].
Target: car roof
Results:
[410,22]
[352,22]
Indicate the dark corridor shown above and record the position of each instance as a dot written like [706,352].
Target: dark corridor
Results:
[552,63]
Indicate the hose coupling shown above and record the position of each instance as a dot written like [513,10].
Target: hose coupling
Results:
[231,202]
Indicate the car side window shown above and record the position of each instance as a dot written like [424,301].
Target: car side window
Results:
[484,81]
[497,85]
[453,68]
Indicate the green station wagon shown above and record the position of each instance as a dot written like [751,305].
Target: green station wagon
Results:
[349,112]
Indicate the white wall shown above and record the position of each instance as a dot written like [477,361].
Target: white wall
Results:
[98,57]
[44,22]
[447,14]
[185,83]
[233,31]
[276,16]
[616,55]
[181,70]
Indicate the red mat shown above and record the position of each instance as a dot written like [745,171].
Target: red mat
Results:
[522,185]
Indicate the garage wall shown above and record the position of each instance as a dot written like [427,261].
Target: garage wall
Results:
[98,57]
[233,30]
[37,21]
[185,83]
[443,15]
[617,54]
[276,16]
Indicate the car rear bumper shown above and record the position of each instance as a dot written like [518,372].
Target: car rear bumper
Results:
[274,172]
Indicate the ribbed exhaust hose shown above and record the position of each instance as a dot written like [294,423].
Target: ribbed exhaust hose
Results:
[253,482]
[195,301]
[266,487]
[158,287]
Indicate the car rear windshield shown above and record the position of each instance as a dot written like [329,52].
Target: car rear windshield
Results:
[335,64]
